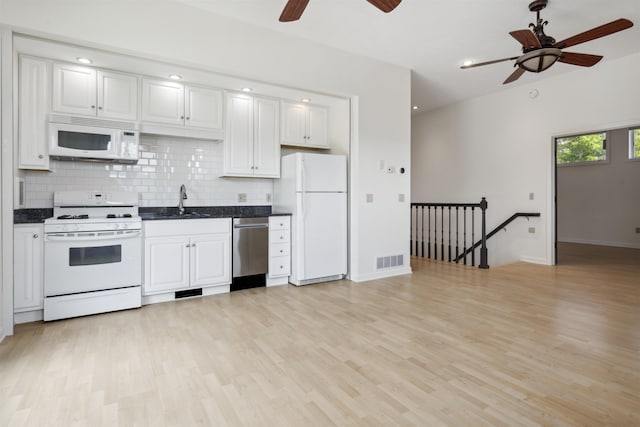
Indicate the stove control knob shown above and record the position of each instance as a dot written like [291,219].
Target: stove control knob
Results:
[116,226]
[125,225]
[76,227]
[65,228]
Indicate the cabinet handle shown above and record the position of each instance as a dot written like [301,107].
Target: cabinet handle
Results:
[281,237]
[40,156]
[35,236]
[193,245]
[187,245]
[99,108]
[93,106]
[187,117]
[281,251]
[181,117]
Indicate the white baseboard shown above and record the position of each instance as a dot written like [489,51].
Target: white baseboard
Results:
[630,245]
[277,281]
[28,316]
[1,335]
[535,260]
[391,272]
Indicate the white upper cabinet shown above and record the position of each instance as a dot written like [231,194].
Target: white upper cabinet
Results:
[117,95]
[33,106]
[176,104]
[162,102]
[304,125]
[90,92]
[252,142]
[203,107]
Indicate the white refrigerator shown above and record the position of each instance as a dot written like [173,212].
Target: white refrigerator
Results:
[313,188]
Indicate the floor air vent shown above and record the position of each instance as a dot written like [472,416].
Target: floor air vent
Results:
[389,261]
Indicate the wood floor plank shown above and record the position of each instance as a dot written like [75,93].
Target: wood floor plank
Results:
[450,345]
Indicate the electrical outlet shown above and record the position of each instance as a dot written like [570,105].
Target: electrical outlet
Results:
[401,197]
[531,196]
[268,197]
[638,230]
[242,197]
[532,230]
[369,198]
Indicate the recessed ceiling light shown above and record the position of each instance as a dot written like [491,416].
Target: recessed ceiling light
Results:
[415,107]
[84,60]
[174,77]
[247,89]
[305,100]
[467,63]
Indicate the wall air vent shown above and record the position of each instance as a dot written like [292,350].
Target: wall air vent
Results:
[391,261]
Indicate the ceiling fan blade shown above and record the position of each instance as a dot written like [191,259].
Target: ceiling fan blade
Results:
[293,10]
[595,33]
[385,5]
[495,61]
[581,59]
[526,38]
[514,76]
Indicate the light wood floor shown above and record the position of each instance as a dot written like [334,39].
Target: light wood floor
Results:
[518,345]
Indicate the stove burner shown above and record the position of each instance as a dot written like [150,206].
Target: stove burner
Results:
[119,216]
[126,216]
[82,216]
[111,215]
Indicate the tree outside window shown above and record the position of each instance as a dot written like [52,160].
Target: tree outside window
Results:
[634,143]
[582,148]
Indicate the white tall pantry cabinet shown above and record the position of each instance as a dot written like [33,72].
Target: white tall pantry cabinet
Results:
[33,92]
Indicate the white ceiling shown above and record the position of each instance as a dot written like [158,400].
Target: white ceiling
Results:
[433,37]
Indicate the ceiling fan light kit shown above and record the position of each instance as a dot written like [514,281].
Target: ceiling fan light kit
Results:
[540,51]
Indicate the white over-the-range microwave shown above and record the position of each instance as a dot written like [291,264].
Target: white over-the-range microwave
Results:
[85,138]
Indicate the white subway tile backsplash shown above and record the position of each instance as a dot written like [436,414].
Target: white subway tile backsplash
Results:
[165,164]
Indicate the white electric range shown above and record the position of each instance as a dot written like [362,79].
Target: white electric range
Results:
[93,254]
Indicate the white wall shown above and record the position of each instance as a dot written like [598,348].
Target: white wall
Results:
[381,92]
[500,146]
[600,203]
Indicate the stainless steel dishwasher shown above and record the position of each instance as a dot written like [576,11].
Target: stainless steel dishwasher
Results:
[250,252]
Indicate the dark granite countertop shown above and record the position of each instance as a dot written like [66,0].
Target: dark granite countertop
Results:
[34,216]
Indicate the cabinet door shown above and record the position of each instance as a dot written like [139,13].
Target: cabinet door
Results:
[317,122]
[28,261]
[117,96]
[166,264]
[203,108]
[293,129]
[33,98]
[238,143]
[74,89]
[162,102]
[266,150]
[210,260]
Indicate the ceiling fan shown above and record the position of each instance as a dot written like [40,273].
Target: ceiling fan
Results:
[539,51]
[294,8]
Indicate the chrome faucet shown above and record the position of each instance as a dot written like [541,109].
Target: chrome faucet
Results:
[183,196]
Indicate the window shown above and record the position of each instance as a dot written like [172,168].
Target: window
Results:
[634,143]
[587,148]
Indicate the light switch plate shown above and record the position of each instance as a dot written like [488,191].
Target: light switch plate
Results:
[531,195]
[401,197]
[369,198]
[268,197]
[532,230]
[242,197]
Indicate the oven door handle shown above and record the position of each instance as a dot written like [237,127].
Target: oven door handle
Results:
[103,235]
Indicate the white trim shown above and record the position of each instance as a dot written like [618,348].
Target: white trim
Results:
[392,272]
[2,335]
[534,260]
[353,208]
[6,180]
[28,316]
[600,243]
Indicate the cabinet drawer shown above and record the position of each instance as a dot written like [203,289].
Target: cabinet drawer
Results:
[279,236]
[279,249]
[279,223]
[279,266]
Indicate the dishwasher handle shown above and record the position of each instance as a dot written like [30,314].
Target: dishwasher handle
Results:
[251,225]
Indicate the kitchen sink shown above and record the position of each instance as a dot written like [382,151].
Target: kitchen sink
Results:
[186,215]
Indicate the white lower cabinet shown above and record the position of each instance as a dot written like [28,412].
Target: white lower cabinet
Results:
[279,249]
[28,270]
[185,254]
